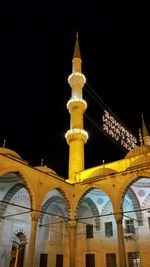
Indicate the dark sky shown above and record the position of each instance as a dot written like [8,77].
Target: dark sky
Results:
[36,52]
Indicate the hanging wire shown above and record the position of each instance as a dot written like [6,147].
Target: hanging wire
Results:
[67,218]
[100,102]
[30,210]
[101,129]
[114,213]
[104,106]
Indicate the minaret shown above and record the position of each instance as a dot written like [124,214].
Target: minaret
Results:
[76,137]
[146,137]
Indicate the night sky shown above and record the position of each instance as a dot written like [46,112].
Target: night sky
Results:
[36,52]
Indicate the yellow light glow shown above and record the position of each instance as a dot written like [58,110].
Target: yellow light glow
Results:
[74,100]
[77,74]
[76,131]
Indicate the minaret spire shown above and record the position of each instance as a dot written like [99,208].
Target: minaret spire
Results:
[76,137]
[145,133]
[4,142]
[77,48]
[76,61]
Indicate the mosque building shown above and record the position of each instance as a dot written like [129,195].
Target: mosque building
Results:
[95,217]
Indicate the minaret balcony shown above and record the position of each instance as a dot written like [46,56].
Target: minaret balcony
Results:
[76,135]
[76,103]
[76,80]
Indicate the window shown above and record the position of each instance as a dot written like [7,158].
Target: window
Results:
[90,260]
[108,229]
[43,260]
[129,226]
[149,222]
[59,260]
[111,260]
[89,230]
[134,259]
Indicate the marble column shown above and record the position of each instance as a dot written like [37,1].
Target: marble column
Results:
[30,247]
[121,244]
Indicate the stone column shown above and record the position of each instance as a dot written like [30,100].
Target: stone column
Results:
[30,249]
[72,225]
[17,254]
[121,244]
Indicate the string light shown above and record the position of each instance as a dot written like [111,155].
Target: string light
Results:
[140,137]
[121,137]
[117,131]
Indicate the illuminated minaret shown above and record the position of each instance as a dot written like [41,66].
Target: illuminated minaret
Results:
[146,137]
[76,137]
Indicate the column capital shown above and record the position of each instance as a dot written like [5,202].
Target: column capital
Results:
[35,215]
[73,223]
[118,218]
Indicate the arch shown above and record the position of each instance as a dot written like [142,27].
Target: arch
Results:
[13,190]
[57,200]
[105,206]
[146,199]
[84,190]
[127,183]
[24,177]
[65,197]
[18,249]
[18,171]
[20,237]
[67,203]
[93,209]
[50,201]
[137,176]
[136,206]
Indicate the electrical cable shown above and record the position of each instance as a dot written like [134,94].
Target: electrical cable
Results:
[31,210]
[98,99]
[100,102]
[82,218]
[101,129]
[113,213]
[103,105]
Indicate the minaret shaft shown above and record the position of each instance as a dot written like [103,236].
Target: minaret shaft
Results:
[76,137]
[76,158]
[76,120]
[76,65]
[146,137]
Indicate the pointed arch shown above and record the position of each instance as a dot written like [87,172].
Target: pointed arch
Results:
[136,205]
[92,207]
[11,192]
[57,200]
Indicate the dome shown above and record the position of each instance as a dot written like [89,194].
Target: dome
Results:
[9,152]
[45,169]
[137,151]
[102,172]
[106,171]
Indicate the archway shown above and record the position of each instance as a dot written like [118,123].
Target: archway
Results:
[136,221]
[18,250]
